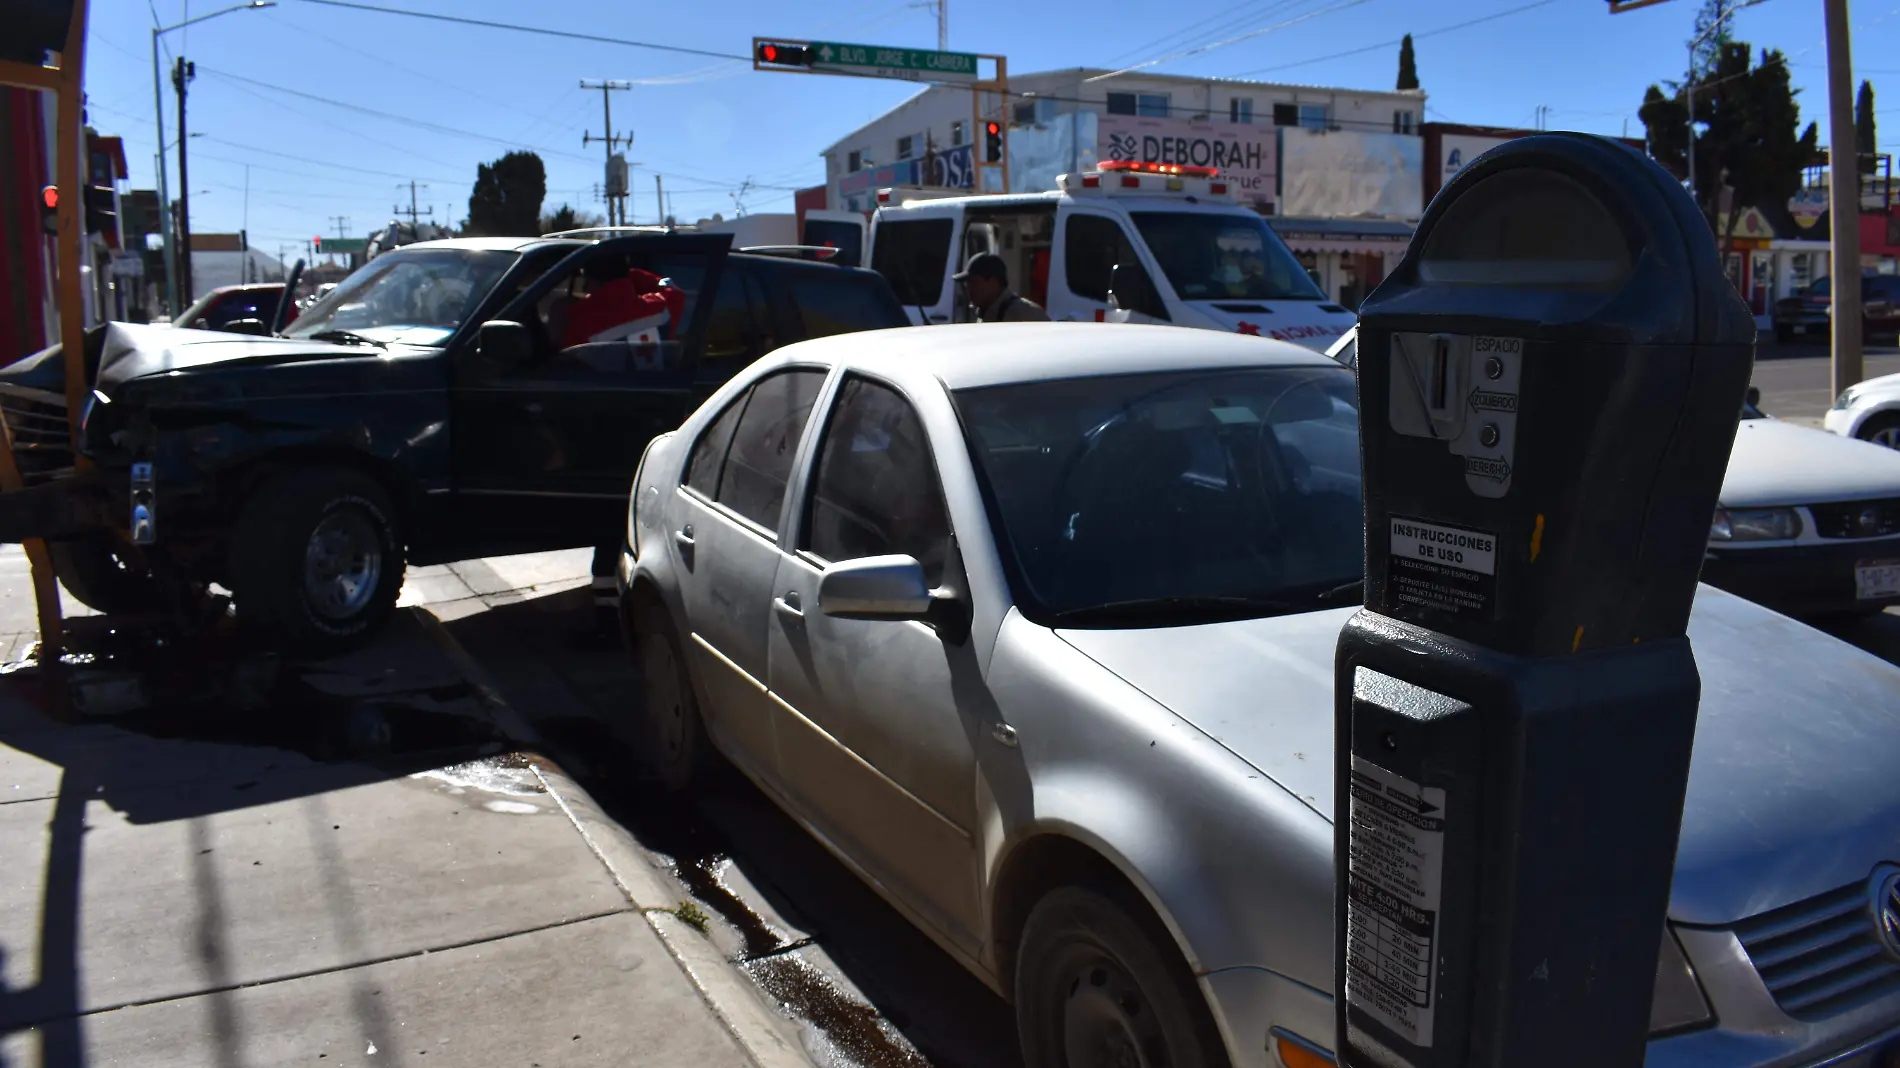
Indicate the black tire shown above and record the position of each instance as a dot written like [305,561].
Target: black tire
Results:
[105,574]
[1099,983]
[342,518]
[1882,429]
[668,729]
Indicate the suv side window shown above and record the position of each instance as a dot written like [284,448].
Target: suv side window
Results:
[764,442]
[876,491]
[911,254]
[733,332]
[833,301]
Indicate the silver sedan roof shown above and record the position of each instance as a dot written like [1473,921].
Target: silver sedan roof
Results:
[993,354]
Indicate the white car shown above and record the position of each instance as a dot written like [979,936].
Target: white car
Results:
[1807,523]
[1869,411]
[1033,626]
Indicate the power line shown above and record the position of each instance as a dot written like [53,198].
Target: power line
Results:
[1396,42]
[350,130]
[1249,35]
[591,37]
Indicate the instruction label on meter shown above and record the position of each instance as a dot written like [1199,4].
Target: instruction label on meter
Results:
[1395,860]
[1451,569]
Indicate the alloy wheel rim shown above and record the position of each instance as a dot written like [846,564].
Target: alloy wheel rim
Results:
[1888,436]
[343,564]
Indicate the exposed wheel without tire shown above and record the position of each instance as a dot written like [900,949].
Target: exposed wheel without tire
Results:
[317,560]
[669,730]
[1100,985]
[104,574]
[1882,430]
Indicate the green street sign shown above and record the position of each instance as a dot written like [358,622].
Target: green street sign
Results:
[878,61]
[345,244]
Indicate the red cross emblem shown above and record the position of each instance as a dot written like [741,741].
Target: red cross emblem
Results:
[1250,328]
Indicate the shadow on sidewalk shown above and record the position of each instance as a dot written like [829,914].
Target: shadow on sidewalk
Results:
[230,732]
[573,681]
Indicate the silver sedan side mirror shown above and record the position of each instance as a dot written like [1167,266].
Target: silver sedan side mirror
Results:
[875,587]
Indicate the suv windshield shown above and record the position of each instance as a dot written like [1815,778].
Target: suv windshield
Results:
[415,297]
[1173,497]
[1210,256]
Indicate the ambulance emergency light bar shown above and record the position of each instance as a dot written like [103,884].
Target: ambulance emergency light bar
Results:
[1134,174]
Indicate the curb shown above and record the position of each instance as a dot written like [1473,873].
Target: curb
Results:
[764,1035]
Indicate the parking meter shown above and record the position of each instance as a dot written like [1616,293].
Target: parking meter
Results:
[1549,386]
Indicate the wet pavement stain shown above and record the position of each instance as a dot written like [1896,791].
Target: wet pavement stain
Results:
[846,1031]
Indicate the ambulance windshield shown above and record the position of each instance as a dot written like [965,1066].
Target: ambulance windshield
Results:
[1223,257]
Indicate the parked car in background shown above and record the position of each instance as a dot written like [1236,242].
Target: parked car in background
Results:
[889,577]
[431,408]
[1808,524]
[225,305]
[1808,312]
[1869,411]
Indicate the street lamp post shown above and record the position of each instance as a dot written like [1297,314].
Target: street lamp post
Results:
[158,112]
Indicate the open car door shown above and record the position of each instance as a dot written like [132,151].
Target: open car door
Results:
[556,396]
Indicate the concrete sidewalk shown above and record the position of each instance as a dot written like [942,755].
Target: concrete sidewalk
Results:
[189,902]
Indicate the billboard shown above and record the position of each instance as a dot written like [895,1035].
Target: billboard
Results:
[1338,173]
[1247,155]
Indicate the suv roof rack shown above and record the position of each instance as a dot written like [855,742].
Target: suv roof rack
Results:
[649,228]
[801,252]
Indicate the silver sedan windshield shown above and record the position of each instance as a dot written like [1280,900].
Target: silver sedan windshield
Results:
[1173,497]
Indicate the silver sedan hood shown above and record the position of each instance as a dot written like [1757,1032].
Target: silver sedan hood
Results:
[1776,463]
[1794,788]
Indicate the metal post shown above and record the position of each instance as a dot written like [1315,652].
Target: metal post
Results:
[164,193]
[1844,200]
[181,77]
[616,202]
[659,199]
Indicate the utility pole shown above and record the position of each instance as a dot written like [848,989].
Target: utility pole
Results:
[616,197]
[182,74]
[414,215]
[1843,166]
[659,198]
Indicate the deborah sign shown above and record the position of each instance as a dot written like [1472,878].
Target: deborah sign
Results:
[1246,154]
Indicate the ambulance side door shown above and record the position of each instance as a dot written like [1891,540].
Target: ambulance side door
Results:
[915,252]
[1096,257]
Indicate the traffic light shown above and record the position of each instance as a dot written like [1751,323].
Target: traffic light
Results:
[49,209]
[993,142]
[316,243]
[774,54]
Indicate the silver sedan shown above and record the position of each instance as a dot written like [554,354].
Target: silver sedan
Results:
[1033,625]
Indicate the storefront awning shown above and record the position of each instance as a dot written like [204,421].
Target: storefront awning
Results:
[1351,236]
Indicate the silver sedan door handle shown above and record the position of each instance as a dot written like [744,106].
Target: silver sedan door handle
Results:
[683,537]
[788,605]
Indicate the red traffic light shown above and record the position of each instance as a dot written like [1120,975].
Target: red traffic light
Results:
[769,53]
[776,54]
[50,197]
[994,128]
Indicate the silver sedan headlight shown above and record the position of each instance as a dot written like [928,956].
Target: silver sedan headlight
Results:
[1755,524]
[1845,400]
[1679,1004]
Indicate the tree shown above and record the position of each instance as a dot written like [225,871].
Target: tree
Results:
[1865,139]
[1408,64]
[1748,141]
[566,217]
[506,200]
[1713,32]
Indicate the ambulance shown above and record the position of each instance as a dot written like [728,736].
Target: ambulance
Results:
[1128,242]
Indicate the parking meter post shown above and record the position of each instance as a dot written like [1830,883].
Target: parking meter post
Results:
[1549,386]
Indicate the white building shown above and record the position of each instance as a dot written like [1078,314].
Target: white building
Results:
[224,260]
[941,119]
[1313,152]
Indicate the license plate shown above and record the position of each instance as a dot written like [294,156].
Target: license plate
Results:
[1877,578]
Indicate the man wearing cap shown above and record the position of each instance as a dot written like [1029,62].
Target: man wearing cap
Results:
[986,281]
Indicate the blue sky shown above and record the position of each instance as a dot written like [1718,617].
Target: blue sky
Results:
[447,97]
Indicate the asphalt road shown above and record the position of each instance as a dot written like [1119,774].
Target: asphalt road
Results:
[1794,378]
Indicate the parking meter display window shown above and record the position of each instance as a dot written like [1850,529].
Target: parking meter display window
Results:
[1527,228]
